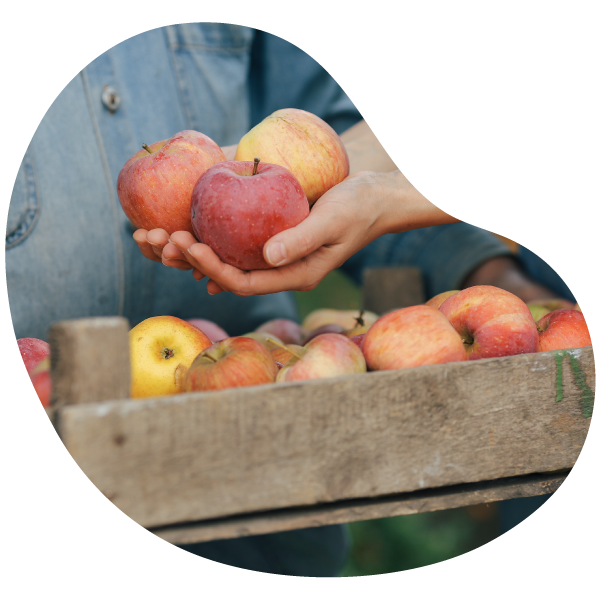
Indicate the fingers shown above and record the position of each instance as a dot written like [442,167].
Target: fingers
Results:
[141,239]
[296,243]
[155,245]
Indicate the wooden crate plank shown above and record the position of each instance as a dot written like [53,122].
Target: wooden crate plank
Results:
[205,455]
[388,288]
[89,360]
[348,511]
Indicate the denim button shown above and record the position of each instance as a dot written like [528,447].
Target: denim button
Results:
[110,98]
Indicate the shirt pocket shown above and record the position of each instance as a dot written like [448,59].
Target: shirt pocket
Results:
[24,208]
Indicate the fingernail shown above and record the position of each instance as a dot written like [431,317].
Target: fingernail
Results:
[276,253]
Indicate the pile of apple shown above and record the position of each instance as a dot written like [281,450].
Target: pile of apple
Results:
[171,355]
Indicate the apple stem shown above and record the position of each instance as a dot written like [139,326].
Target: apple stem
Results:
[284,347]
[147,148]
[360,322]
[211,358]
[256,161]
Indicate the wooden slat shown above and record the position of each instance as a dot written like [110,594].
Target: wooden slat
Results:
[89,360]
[205,455]
[388,288]
[348,511]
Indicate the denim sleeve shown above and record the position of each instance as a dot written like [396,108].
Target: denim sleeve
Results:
[445,254]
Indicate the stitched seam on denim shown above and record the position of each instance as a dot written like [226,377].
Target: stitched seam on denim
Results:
[32,212]
[182,88]
[111,193]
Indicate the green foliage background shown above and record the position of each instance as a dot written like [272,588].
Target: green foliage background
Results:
[407,542]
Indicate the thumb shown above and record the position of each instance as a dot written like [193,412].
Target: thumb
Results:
[297,242]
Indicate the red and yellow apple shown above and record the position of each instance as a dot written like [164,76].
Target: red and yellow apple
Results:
[491,322]
[439,299]
[155,185]
[161,351]
[285,353]
[562,329]
[233,362]
[302,143]
[412,337]
[33,351]
[328,355]
[42,383]
[347,319]
[540,308]
[237,206]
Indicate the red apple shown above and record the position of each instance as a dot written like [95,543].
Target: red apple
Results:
[288,331]
[539,308]
[412,337]
[155,185]
[233,362]
[358,339]
[33,351]
[328,355]
[438,300]
[235,210]
[331,328]
[42,383]
[563,328]
[302,143]
[491,322]
[348,319]
[212,330]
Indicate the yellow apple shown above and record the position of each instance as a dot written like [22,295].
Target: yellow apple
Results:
[348,319]
[161,351]
[302,143]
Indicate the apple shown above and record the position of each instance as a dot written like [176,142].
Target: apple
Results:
[212,330]
[412,337]
[283,354]
[540,308]
[288,331]
[42,383]
[348,319]
[562,329]
[238,205]
[33,351]
[268,340]
[358,339]
[491,322]
[155,185]
[328,355]
[331,328]
[161,350]
[438,300]
[302,143]
[233,362]
[537,311]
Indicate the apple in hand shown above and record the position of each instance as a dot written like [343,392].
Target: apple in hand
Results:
[562,329]
[328,355]
[212,330]
[238,205]
[439,299]
[161,350]
[302,143]
[412,337]
[288,331]
[155,185]
[233,362]
[491,322]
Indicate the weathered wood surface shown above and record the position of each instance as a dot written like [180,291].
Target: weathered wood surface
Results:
[348,511]
[205,455]
[388,288]
[89,360]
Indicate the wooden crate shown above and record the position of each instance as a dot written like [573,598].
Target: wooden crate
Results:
[201,466]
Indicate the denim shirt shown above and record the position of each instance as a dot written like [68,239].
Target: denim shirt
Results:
[69,247]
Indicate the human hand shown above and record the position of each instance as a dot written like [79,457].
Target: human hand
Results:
[344,220]
[152,245]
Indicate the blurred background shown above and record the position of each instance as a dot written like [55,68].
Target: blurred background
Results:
[406,542]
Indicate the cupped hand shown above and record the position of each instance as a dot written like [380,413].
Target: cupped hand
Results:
[344,220]
[154,245]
